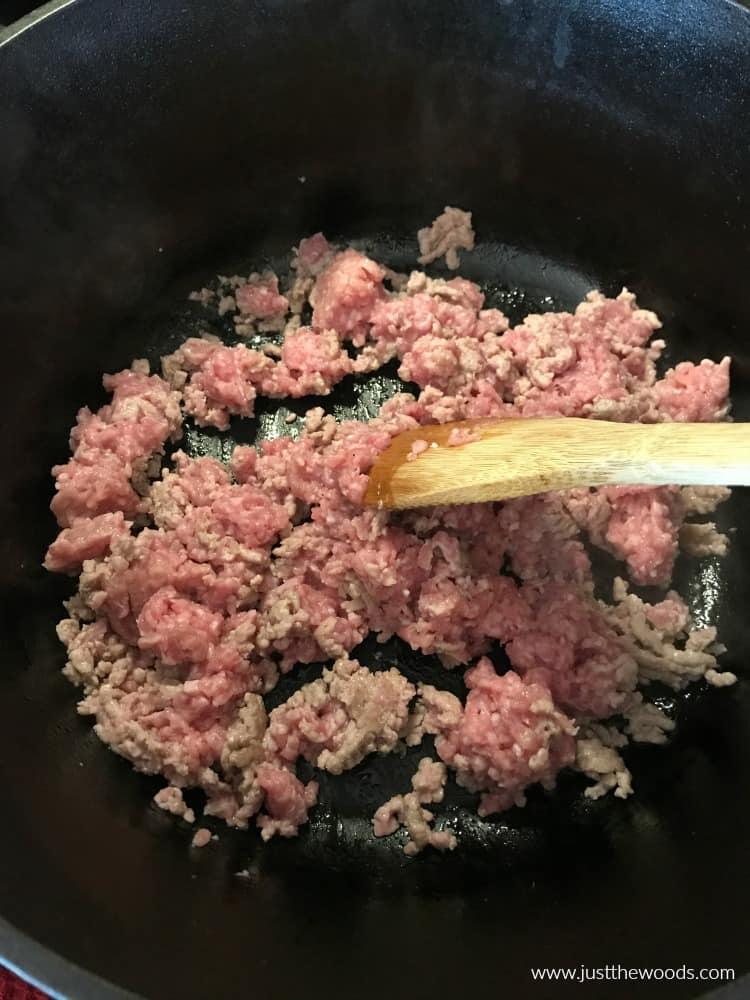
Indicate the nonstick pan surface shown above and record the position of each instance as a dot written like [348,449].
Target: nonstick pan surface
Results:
[147,147]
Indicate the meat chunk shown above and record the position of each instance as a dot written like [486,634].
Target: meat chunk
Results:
[510,735]
[408,810]
[696,393]
[337,721]
[449,233]
[259,298]
[87,538]
[312,362]
[170,800]
[286,801]
[216,381]
[345,295]
[573,649]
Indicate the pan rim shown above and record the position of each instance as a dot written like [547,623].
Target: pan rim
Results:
[49,971]
[16,28]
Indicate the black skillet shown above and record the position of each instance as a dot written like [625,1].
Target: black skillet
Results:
[145,145]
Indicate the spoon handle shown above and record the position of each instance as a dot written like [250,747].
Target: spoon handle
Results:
[518,457]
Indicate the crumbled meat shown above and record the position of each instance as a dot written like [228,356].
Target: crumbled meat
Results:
[663,645]
[337,721]
[450,232]
[703,499]
[600,761]
[216,380]
[703,540]
[408,810]
[260,298]
[572,648]
[419,446]
[201,837]
[345,294]
[110,447]
[199,584]
[528,740]
[87,538]
[695,393]
[462,435]
[639,524]
[286,801]
[170,800]
[312,361]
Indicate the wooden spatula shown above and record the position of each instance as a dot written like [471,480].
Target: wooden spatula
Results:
[513,458]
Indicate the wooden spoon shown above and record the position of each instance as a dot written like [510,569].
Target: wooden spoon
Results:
[518,457]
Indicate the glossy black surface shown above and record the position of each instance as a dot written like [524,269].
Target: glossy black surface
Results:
[146,146]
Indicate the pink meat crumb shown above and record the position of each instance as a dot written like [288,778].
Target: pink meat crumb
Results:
[418,447]
[346,293]
[286,801]
[201,838]
[88,538]
[312,362]
[312,255]
[640,524]
[510,736]
[697,393]
[111,451]
[463,435]
[178,630]
[216,380]
[572,649]
[260,297]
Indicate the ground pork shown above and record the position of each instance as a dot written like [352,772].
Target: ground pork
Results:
[87,538]
[661,641]
[216,381]
[419,446]
[337,721]
[571,647]
[695,392]
[509,736]
[170,800]
[201,837]
[199,583]
[703,540]
[462,435]
[449,233]
[312,362]
[286,801]
[259,299]
[345,294]
[703,499]
[639,524]
[109,448]
[598,758]
[428,784]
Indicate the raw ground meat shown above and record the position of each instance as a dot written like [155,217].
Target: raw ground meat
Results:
[200,583]
[260,298]
[345,294]
[509,735]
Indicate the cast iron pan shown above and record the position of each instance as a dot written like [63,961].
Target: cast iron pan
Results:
[146,146]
